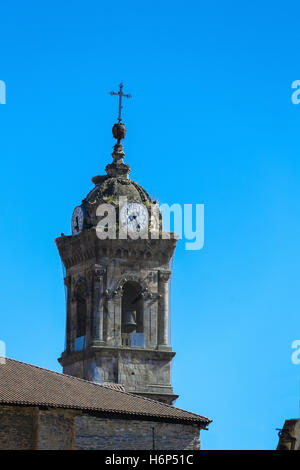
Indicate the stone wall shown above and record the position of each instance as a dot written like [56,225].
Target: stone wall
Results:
[25,428]
[17,428]
[141,371]
[120,434]
[56,429]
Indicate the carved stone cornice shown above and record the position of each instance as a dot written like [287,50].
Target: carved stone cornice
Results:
[86,246]
[68,358]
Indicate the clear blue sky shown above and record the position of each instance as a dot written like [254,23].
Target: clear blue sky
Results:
[211,121]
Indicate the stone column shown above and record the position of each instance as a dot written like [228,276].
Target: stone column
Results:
[147,320]
[67,282]
[114,300]
[99,274]
[117,318]
[72,318]
[163,323]
[89,306]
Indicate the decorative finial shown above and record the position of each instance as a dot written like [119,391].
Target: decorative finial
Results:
[120,94]
[118,168]
[119,129]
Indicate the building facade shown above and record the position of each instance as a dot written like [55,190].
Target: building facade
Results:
[56,411]
[37,428]
[118,280]
[289,435]
[115,391]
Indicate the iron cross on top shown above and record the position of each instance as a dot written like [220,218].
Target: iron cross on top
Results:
[120,94]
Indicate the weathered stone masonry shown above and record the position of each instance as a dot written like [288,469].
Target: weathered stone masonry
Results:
[95,433]
[118,287]
[32,428]
[116,391]
[25,428]
[42,409]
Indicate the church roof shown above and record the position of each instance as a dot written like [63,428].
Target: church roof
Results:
[26,384]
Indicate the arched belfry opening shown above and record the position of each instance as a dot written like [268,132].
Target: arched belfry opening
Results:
[81,317]
[132,325]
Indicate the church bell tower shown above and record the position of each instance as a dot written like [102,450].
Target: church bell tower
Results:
[117,281]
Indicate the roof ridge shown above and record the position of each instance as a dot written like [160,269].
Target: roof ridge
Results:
[108,388]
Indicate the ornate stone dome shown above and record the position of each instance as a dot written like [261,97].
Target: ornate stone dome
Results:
[116,183]
[108,189]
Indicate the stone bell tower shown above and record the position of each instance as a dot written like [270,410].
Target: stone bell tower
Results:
[117,326]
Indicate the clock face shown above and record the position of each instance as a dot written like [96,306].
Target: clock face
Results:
[134,216]
[77,220]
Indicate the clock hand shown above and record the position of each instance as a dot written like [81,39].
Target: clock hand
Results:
[137,225]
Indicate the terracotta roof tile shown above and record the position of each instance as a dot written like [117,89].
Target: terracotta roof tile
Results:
[26,384]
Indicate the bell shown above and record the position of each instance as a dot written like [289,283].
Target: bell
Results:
[129,321]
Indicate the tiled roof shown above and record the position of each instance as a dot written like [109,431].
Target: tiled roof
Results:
[26,384]
[114,386]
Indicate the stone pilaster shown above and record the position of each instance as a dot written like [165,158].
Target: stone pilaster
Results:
[89,306]
[68,283]
[98,306]
[114,309]
[163,288]
[73,319]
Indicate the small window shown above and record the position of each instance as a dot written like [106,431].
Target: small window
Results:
[79,343]
[81,317]
[137,340]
